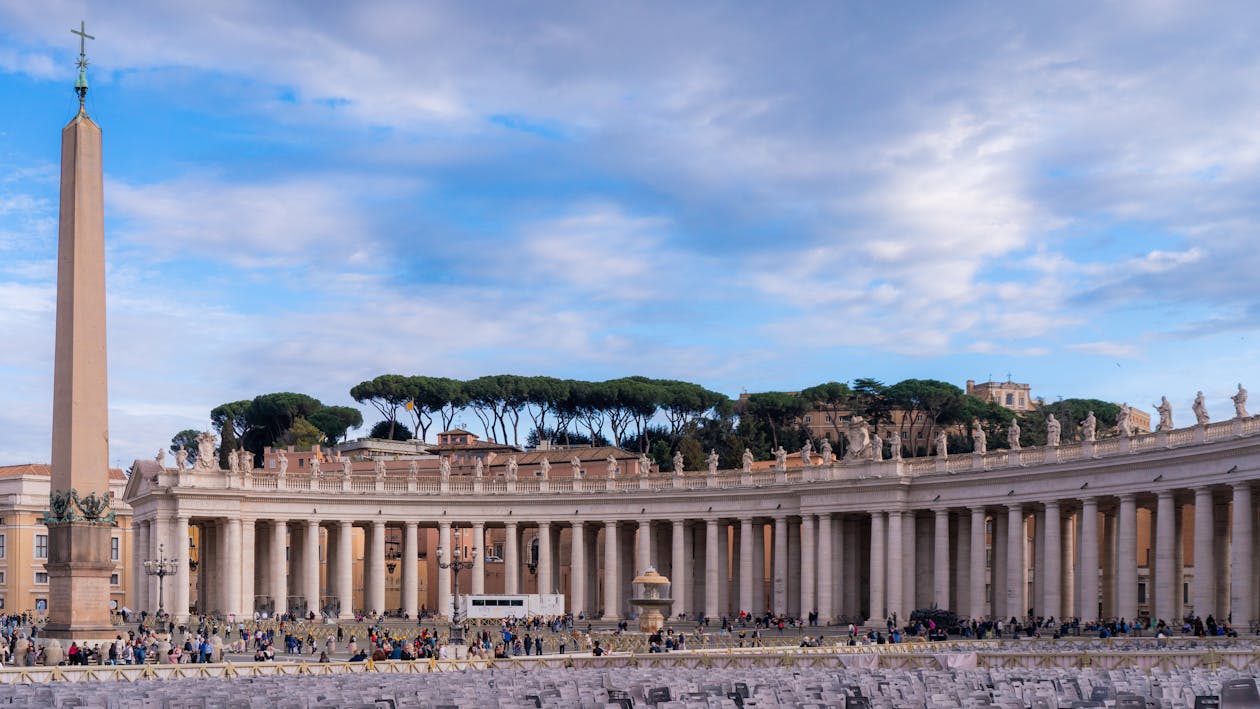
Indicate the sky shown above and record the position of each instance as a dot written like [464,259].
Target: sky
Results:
[750,196]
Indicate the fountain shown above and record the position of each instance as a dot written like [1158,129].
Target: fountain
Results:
[651,592]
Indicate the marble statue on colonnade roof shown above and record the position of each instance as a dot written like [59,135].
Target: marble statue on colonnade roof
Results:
[512,468]
[780,458]
[806,451]
[1200,410]
[1012,434]
[1123,423]
[614,468]
[678,463]
[317,469]
[379,469]
[712,460]
[206,459]
[746,461]
[282,460]
[479,468]
[1089,427]
[544,467]
[980,441]
[1054,430]
[347,467]
[575,466]
[413,470]
[444,467]
[825,450]
[1240,402]
[894,444]
[161,458]
[1164,409]
[645,464]
[942,444]
[234,460]
[181,459]
[875,449]
[858,435]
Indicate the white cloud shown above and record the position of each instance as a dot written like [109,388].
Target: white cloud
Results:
[1123,350]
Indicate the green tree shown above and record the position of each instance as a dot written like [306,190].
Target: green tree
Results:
[776,410]
[186,440]
[271,415]
[334,421]
[232,414]
[928,403]
[693,453]
[302,435]
[390,431]
[433,397]
[833,399]
[386,393]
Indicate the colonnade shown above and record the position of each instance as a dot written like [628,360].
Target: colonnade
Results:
[1072,557]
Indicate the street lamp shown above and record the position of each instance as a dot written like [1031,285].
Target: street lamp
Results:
[456,565]
[161,567]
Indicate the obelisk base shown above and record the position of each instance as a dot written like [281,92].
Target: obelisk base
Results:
[79,567]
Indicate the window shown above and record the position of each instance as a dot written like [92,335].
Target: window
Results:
[807,419]
[2,546]
[113,579]
[3,578]
[1021,399]
[1141,593]
[41,546]
[41,578]
[827,418]
[1010,399]
[115,549]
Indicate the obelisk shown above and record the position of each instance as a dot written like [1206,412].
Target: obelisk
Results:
[80,515]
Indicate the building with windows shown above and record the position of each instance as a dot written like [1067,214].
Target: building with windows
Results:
[24,539]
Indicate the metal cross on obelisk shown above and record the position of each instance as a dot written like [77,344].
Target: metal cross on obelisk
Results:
[81,85]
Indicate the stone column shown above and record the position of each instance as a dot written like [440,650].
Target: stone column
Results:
[711,550]
[1067,565]
[247,564]
[759,567]
[1179,560]
[1036,565]
[843,583]
[511,560]
[962,564]
[896,563]
[142,554]
[997,566]
[577,569]
[410,569]
[544,557]
[345,569]
[1165,553]
[879,601]
[940,559]
[179,594]
[1050,566]
[643,547]
[1016,603]
[1241,593]
[826,603]
[746,564]
[809,560]
[612,591]
[794,568]
[310,575]
[232,579]
[157,537]
[1126,557]
[1089,559]
[780,562]
[375,569]
[479,558]
[1204,566]
[979,606]
[681,568]
[444,575]
[279,566]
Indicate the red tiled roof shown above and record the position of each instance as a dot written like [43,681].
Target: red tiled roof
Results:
[44,469]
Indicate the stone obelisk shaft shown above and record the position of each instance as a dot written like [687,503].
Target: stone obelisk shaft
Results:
[79,562]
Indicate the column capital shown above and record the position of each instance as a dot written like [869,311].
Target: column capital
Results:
[510,524]
[1164,494]
[1015,506]
[941,511]
[1127,496]
[1243,485]
[1052,503]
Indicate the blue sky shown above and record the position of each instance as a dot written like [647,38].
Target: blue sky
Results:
[751,196]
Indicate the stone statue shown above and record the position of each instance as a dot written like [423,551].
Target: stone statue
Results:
[1122,421]
[544,468]
[246,460]
[1164,409]
[614,468]
[712,460]
[161,457]
[512,468]
[444,467]
[858,435]
[746,461]
[1053,430]
[876,447]
[234,460]
[576,466]
[1240,402]
[825,451]
[979,439]
[780,458]
[316,467]
[942,444]
[181,459]
[413,470]
[678,463]
[1012,434]
[479,468]
[1200,410]
[282,460]
[806,450]
[379,468]
[1089,428]
[205,451]
[645,464]
[894,444]
[347,467]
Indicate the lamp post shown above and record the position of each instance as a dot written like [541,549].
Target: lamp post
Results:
[161,567]
[456,565]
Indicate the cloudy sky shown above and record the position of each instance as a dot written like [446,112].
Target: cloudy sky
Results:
[751,196]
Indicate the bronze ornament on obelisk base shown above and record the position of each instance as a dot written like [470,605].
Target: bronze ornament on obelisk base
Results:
[80,516]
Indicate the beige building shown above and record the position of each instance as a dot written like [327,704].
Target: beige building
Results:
[1012,395]
[24,540]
